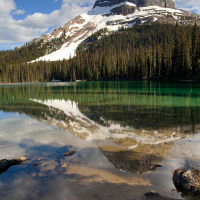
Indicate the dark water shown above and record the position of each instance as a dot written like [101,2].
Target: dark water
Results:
[119,130]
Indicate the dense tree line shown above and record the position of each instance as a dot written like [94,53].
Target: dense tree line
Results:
[157,51]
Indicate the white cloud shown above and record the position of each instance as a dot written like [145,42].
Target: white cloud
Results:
[188,5]
[22,31]
[32,26]
[57,18]
[18,12]
[5,7]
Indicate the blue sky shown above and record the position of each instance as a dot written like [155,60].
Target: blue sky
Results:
[21,20]
[31,7]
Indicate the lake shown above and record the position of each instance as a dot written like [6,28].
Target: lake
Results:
[128,137]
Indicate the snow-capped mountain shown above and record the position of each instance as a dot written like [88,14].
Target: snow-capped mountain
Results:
[113,14]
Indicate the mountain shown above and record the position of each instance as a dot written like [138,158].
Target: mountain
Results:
[141,3]
[111,14]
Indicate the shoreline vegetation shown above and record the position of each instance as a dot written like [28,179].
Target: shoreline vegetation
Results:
[142,52]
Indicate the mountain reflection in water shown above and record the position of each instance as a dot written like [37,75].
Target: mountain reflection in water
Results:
[134,124]
[136,150]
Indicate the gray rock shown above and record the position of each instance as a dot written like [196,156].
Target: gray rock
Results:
[69,153]
[190,180]
[5,164]
[187,180]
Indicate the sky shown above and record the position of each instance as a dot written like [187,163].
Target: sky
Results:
[21,21]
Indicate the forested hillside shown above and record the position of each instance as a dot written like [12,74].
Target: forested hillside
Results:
[32,50]
[156,51]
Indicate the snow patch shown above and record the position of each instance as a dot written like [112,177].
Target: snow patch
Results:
[130,4]
[103,10]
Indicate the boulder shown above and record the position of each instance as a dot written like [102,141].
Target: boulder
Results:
[5,164]
[187,181]
[177,176]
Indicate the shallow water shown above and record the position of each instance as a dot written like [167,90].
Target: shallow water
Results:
[119,130]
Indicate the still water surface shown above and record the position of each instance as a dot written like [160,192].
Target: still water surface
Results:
[119,130]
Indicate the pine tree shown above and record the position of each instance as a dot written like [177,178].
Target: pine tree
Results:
[183,54]
[176,54]
[189,46]
[195,44]
[158,62]
[164,59]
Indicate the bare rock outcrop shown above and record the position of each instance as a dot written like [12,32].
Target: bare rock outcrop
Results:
[123,10]
[141,3]
[161,3]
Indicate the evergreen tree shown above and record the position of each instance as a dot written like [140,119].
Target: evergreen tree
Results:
[195,44]
[164,59]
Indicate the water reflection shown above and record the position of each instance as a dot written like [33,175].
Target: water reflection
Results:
[136,150]
[87,170]
[133,124]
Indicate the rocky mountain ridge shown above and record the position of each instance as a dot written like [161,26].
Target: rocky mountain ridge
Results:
[141,3]
[112,15]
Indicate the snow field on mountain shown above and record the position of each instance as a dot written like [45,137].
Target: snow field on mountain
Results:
[130,4]
[96,17]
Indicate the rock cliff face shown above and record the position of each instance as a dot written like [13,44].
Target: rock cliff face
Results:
[123,10]
[141,3]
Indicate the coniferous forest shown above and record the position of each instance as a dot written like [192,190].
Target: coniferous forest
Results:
[153,52]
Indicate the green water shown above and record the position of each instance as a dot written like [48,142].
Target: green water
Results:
[144,120]
[139,104]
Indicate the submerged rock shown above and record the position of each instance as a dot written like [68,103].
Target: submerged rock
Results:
[69,153]
[5,164]
[35,164]
[158,165]
[153,195]
[187,181]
